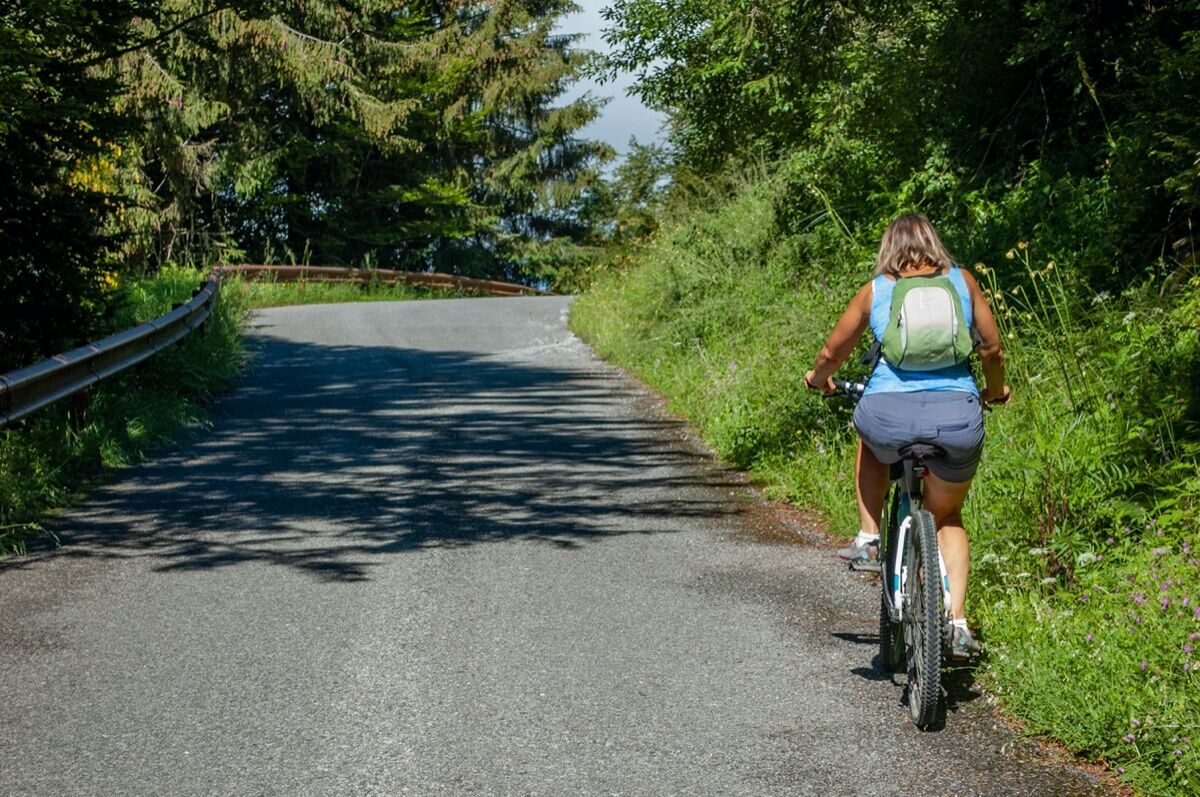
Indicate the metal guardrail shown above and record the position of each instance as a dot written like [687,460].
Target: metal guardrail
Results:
[27,390]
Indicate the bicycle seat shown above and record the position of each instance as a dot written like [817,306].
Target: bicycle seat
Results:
[921,451]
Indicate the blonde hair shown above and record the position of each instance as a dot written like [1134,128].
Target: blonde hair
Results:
[908,242]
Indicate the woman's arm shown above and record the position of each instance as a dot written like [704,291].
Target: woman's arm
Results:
[842,340]
[991,352]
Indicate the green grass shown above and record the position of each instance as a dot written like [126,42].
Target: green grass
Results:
[265,293]
[1085,518]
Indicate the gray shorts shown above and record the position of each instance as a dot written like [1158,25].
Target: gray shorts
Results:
[951,419]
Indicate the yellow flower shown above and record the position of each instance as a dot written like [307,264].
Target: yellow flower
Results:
[1050,266]
[1022,245]
[1010,254]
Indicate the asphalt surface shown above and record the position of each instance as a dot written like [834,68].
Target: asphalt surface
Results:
[439,548]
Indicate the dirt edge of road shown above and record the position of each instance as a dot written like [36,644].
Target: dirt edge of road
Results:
[777,522]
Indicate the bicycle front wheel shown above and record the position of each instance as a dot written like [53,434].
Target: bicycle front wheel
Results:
[922,620]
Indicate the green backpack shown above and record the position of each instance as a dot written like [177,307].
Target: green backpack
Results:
[926,330]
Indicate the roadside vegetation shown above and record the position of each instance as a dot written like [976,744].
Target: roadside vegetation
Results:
[46,460]
[264,293]
[1065,180]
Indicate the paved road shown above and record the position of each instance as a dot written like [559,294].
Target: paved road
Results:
[438,548]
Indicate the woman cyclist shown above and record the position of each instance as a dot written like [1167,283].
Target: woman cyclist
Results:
[901,406]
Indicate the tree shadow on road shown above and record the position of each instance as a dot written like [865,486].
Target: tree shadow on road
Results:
[332,457]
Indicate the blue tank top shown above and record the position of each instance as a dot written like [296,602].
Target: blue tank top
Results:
[887,379]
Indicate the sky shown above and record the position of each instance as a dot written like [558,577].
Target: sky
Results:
[624,116]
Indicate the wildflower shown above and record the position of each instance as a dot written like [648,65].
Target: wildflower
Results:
[1144,665]
[1157,552]
[981,268]
[1178,752]
[1139,598]
[1128,738]
[1165,602]
[1193,636]
[1010,254]
[1186,648]
[1084,559]
[1120,770]
[1050,266]
[1135,722]
[1111,541]
[1022,245]
[1088,638]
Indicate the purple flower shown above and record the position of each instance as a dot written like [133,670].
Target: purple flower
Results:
[1139,598]
[1088,638]
[1178,752]
[1120,770]
[1196,612]
[1187,648]
[1128,738]
[1111,541]
[1166,585]
[1135,722]
[1160,551]
[1143,665]
[1165,602]
[1085,597]
[1193,636]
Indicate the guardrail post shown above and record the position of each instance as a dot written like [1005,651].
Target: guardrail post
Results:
[81,409]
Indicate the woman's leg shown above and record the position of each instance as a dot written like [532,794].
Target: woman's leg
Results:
[870,485]
[945,500]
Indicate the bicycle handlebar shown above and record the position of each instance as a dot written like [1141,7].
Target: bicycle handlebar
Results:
[853,390]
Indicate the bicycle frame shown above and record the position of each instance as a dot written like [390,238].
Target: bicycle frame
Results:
[905,500]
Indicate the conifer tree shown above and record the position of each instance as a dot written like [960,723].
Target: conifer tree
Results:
[418,134]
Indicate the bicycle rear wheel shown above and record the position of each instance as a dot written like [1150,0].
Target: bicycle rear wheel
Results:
[891,635]
[922,620]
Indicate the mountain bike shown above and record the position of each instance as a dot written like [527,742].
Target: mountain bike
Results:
[914,607]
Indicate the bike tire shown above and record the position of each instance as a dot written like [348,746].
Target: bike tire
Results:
[891,639]
[891,635]
[923,621]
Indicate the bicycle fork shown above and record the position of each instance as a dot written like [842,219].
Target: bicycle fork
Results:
[899,574]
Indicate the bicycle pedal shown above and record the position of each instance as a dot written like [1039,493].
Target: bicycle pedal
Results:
[864,566]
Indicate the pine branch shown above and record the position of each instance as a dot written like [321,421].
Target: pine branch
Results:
[153,40]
